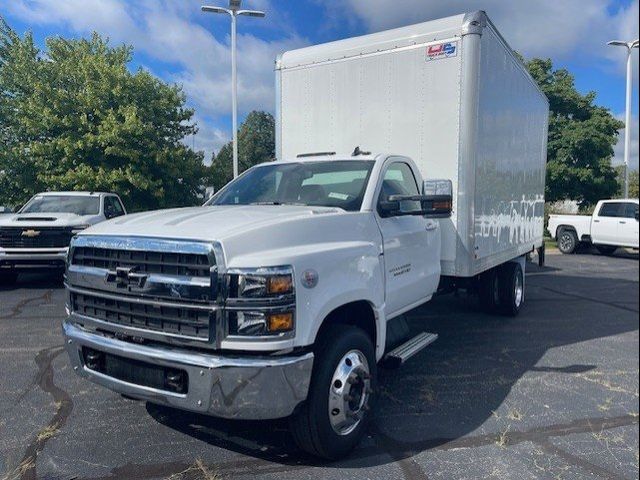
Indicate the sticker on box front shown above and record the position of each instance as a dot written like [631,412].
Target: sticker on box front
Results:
[442,50]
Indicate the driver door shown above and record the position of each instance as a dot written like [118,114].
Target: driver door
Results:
[411,244]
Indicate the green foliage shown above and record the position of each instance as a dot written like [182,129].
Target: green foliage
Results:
[581,139]
[256,144]
[634,184]
[75,118]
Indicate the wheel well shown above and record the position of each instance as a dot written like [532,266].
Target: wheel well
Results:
[562,228]
[359,314]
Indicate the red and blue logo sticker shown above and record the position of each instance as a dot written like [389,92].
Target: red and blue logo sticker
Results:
[442,50]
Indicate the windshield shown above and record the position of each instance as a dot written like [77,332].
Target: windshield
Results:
[327,183]
[63,204]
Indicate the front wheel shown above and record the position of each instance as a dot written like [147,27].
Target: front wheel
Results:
[338,408]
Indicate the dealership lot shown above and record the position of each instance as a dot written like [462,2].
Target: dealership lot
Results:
[551,394]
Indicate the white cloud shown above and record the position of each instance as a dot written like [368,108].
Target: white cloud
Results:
[547,28]
[167,31]
[618,158]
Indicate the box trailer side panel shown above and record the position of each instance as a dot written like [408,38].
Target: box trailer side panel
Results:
[510,157]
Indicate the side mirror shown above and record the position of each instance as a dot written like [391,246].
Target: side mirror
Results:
[432,206]
[438,201]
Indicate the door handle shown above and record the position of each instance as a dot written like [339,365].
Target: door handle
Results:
[596,221]
[623,222]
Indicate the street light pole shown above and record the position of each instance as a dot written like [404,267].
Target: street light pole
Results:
[627,117]
[234,95]
[234,11]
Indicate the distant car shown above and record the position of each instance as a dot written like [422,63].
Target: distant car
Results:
[38,236]
[5,211]
[614,224]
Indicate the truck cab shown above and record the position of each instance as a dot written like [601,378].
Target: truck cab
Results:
[37,237]
[613,224]
[294,267]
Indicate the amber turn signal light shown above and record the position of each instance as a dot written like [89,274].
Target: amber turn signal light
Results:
[279,284]
[280,322]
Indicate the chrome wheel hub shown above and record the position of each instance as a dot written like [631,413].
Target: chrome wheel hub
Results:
[518,291]
[566,241]
[349,392]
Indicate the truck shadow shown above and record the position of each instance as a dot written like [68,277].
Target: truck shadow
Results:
[36,280]
[454,386]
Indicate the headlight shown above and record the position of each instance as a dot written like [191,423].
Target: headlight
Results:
[261,302]
[262,283]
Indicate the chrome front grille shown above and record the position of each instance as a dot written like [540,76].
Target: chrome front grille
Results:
[156,289]
[166,263]
[176,320]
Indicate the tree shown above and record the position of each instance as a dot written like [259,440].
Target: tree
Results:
[634,184]
[256,144]
[75,118]
[581,139]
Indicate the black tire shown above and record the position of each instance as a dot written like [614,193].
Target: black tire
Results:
[606,249]
[489,291]
[567,241]
[310,425]
[512,291]
[8,277]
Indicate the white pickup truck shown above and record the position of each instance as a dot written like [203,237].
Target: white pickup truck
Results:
[614,224]
[281,295]
[38,236]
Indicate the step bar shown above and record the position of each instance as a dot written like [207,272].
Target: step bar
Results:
[399,355]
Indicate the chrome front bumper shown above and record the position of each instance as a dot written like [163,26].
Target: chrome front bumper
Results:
[249,388]
[23,258]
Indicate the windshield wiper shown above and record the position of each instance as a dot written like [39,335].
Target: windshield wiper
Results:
[279,203]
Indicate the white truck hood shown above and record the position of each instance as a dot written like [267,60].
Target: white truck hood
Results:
[253,235]
[47,220]
[206,223]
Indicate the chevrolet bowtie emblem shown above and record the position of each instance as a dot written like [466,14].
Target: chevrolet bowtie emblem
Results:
[126,277]
[30,233]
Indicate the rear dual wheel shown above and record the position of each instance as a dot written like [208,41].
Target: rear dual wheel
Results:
[501,289]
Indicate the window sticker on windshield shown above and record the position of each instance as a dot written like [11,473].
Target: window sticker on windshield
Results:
[339,196]
[442,50]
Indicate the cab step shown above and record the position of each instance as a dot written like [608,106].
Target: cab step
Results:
[396,357]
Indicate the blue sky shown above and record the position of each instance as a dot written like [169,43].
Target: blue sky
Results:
[175,41]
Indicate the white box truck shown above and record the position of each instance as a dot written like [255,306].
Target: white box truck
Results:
[282,294]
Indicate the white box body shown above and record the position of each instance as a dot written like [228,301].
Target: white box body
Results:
[451,95]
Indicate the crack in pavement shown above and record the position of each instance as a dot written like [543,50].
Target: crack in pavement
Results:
[64,405]
[17,308]
[579,462]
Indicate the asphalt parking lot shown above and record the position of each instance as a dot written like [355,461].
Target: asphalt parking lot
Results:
[551,394]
